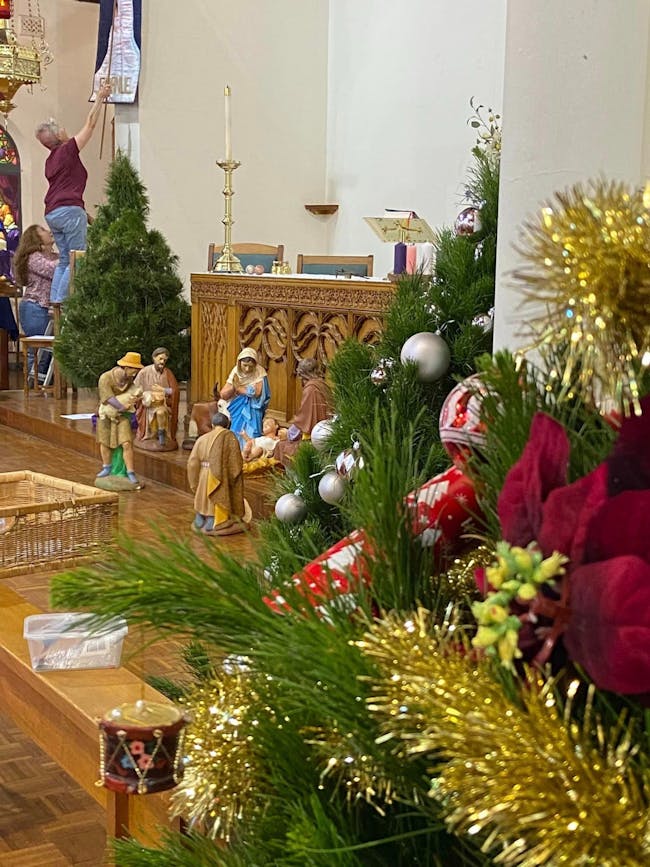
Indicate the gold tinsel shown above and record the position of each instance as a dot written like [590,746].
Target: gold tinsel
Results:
[350,767]
[589,264]
[538,789]
[458,582]
[220,783]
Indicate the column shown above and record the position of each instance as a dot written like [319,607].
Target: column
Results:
[574,108]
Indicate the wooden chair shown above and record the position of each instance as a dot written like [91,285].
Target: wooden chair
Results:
[344,266]
[38,343]
[249,254]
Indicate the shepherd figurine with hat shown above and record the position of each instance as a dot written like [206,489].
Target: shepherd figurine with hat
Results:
[115,425]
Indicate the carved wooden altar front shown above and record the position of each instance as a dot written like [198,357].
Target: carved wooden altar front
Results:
[286,318]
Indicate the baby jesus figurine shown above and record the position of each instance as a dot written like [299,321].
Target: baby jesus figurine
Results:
[262,446]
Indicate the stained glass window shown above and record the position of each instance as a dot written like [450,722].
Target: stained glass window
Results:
[10,205]
[8,152]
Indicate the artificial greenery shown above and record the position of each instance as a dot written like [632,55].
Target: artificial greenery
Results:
[456,303]
[127,293]
[304,662]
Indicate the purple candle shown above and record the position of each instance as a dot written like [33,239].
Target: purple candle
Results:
[399,261]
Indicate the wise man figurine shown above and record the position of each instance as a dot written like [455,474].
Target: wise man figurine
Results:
[157,409]
[215,475]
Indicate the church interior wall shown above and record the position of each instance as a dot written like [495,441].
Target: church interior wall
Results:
[575,106]
[400,79]
[362,104]
[274,57]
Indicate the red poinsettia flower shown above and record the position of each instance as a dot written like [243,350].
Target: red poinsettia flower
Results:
[602,523]
[541,468]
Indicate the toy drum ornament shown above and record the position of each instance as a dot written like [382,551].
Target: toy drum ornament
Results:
[141,748]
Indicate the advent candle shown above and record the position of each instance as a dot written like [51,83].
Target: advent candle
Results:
[226,93]
[427,254]
[399,260]
[411,258]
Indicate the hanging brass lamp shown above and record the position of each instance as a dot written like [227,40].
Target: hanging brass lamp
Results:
[20,60]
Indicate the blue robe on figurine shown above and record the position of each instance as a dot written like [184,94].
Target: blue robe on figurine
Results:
[252,394]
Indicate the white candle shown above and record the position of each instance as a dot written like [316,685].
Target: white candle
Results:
[426,257]
[226,93]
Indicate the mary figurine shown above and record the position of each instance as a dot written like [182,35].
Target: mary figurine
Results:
[248,394]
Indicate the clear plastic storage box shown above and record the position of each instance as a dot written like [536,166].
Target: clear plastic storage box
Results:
[62,641]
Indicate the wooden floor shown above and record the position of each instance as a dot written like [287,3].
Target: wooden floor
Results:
[46,820]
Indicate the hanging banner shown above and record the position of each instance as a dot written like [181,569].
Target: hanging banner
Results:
[5,9]
[118,48]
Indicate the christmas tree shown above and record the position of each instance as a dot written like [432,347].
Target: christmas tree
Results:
[462,678]
[128,296]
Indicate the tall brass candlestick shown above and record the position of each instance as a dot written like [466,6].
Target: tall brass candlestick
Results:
[228,261]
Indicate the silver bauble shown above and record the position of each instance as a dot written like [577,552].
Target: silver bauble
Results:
[431,354]
[332,487]
[290,509]
[320,434]
[379,375]
[484,321]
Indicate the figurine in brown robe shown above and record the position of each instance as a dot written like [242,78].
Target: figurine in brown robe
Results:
[157,411]
[215,474]
[315,406]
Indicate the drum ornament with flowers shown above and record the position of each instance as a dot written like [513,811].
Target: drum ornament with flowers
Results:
[141,748]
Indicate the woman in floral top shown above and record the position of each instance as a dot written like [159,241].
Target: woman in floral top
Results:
[34,265]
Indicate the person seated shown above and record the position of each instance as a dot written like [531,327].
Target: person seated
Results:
[264,445]
[34,265]
[215,475]
[248,394]
[315,406]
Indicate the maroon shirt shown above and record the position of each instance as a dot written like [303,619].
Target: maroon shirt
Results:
[66,175]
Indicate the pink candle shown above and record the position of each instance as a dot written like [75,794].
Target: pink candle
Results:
[411,259]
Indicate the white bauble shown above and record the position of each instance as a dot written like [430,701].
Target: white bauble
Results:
[290,509]
[429,352]
[320,434]
[332,488]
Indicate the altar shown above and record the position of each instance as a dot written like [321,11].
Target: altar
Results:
[286,317]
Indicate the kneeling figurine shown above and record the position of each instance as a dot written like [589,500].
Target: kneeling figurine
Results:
[215,475]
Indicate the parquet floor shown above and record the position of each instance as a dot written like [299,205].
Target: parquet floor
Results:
[46,820]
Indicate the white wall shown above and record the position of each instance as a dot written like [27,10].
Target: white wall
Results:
[575,107]
[273,54]
[362,104]
[400,79]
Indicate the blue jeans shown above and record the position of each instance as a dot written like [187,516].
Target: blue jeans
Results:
[69,225]
[34,320]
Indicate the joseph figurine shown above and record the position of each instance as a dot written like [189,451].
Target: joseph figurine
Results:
[157,411]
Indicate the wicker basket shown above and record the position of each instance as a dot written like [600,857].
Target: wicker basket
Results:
[47,522]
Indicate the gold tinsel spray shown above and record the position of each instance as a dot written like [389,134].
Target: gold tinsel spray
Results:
[348,766]
[221,783]
[534,786]
[588,263]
